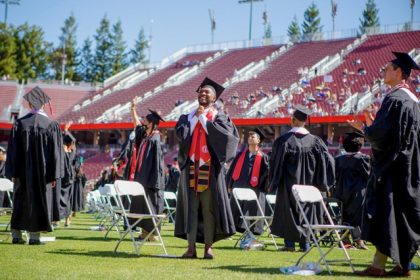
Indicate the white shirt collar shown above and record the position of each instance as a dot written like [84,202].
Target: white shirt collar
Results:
[299,130]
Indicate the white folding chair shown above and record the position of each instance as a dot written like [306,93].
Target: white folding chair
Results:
[136,189]
[310,194]
[271,200]
[244,194]
[167,198]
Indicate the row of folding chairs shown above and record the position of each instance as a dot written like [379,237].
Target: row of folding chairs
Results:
[112,212]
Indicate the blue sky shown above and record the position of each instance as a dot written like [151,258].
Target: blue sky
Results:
[176,24]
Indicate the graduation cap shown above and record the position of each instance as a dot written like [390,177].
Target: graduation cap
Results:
[259,133]
[208,83]
[154,117]
[405,62]
[37,98]
[302,113]
[69,139]
[355,134]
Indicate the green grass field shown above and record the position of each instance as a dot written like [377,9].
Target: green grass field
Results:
[80,253]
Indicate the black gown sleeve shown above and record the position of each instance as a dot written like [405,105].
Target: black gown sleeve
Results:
[222,138]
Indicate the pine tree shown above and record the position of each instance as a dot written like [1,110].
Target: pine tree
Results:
[138,53]
[370,17]
[294,31]
[103,52]
[333,13]
[86,61]
[31,56]
[7,51]
[119,56]
[311,22]
[268,33]
[67,51]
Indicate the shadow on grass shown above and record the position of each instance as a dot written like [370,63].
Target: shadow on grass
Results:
[273,270]
[106,254]
[90,238]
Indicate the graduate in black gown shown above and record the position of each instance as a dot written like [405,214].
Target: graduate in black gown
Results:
[4,199]
[207,139]
[249,170]
[128,156]
[34,163]
[298,157]
[80,179]
[351,173]
[67,181]
[391,216]
[173,176]
[149,167]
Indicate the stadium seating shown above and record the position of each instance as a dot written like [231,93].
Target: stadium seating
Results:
[95,109]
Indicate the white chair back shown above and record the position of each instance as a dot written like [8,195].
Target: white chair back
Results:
[305,193]
[169,195]
[133,188]
[107,190]
[244,194]
[6,185]
[271,198]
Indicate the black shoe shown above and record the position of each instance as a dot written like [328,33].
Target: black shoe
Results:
[18,241]
[36,242]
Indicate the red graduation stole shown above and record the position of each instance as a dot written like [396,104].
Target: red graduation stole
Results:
[133,163]
[255,168]
[198,149]
[143,147]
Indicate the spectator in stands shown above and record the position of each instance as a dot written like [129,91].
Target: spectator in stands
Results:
[249,170]
[361,71]
[391,216]
[207,139]
[149,167]
[298,157]
[352,173]
[357,61]
[261,93]
[34,164]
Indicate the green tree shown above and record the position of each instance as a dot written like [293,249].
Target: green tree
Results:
[312,22]
[370,17]
[119,55]
[86,63]
[293,31]
[268,33]
[31,55]
[138,53]
[68,49]
[7,51]
[103,52]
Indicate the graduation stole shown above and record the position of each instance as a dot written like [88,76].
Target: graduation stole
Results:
[255,174]
[143,147]
[198,149]
[133,163]
[199,175]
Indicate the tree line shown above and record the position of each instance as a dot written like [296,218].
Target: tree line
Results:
[25,55]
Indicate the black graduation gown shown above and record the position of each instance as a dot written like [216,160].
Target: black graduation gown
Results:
[248,207]
[4,199]
[126,155]
[391,219]
[150,176]
[222,141]
[173,180]
[351,174]
[78,187]
[34,160]
[67,184]
[297,159]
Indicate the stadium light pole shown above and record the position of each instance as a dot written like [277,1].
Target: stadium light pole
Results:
[6,7]
[251,2]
